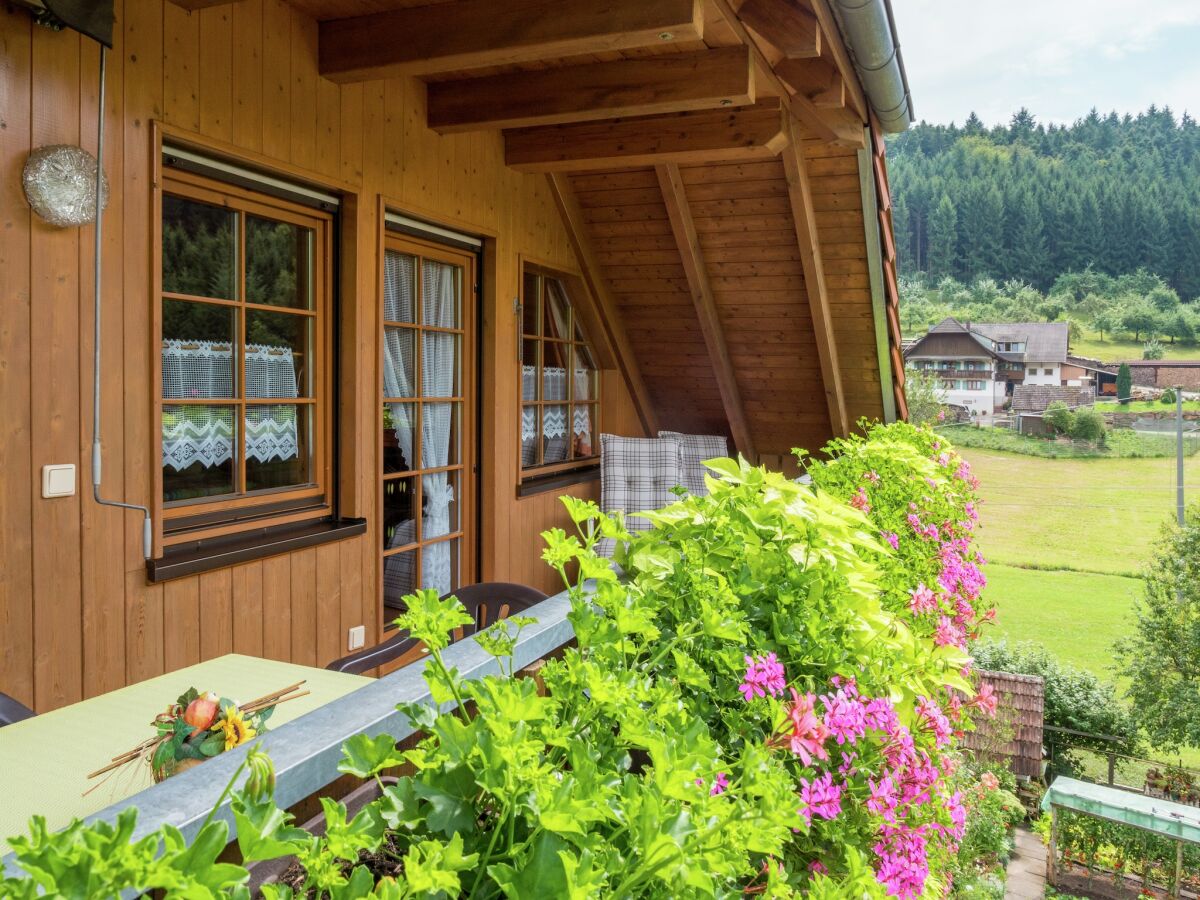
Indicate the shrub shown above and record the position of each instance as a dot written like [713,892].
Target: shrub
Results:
[1168,396]
[1075,699]
[1058,417]
[1153,349]
[1087,425]
[1124,383]
[1161,658]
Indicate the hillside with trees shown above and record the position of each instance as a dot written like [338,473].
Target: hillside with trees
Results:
[1029,202]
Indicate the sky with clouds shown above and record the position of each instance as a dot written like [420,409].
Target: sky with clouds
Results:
[1059,58]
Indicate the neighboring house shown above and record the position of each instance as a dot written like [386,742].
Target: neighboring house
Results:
[980,364]
[376,276]
[1080,371]
[1162,373]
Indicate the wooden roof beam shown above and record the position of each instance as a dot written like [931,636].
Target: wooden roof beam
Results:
[816,79]
[786,25]
[472,34]
[800,196]
[572,218]
[746,133]
[836,50]
[684,229]
[834,126]
[671,83]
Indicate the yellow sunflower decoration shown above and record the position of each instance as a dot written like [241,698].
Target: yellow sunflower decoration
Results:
[237,730]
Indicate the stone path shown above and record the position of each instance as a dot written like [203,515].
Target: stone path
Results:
[1027,868]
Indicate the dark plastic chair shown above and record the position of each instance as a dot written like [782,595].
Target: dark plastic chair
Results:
[12,711]
[485,602]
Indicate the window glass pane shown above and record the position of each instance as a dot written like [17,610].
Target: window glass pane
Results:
[198,442]
[529,436]
[399,437]
[279,446]
[439,294]
[555,358]
[555,439]
[197,355]
[440,439]
[399,513]
[279,263]
[399,286]
[529,305]
[584,373]
[529,356]
[399,580]
[556,311]
[439,566]
[439,364]
[440,496]
[584,441]
[278,354]
[199,249]
[399,362]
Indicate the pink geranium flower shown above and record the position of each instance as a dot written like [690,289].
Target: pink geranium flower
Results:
[860,501]
[809,734]
[764,675]
[922,600]
[821,797]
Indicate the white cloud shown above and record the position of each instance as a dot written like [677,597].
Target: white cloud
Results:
[1058,57]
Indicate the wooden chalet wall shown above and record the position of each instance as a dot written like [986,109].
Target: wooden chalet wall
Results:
[77,617]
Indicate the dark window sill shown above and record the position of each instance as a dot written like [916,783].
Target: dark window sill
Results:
[540,484]
[195,557]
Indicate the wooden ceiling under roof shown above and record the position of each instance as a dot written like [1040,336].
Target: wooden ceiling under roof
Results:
[704,155]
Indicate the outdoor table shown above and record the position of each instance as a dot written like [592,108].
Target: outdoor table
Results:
[44,761]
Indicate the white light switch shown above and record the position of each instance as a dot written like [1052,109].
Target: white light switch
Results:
[58,481]
[358,637]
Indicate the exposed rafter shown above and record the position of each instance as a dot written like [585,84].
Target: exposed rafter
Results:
[746,133]
[671,83]
[800,195]
[471,34]
[572,218]
[686,240]
[837,126]
[840,56]
[815,79]
[789,27]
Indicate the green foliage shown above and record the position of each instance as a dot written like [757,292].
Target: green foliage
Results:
[1119,443]
[926,398]
[1099,845]
[634,766]
[993,811]
[1075,699]
[1033,201]
[1058,417]
[1153,349]
[1168,397]
[1161,658]
[1087,424]
[1124,383]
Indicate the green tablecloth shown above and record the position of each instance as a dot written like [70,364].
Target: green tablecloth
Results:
[44,761]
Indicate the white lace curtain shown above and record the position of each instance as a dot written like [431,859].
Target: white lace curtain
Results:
[199,370]
[439,364]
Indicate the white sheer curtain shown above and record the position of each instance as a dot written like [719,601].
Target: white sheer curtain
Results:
[439,366]
[439,370]
[399,572]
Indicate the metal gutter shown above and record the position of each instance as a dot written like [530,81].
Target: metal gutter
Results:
[869,29]
[866,183]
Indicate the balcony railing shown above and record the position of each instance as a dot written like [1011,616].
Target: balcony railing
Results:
[307,750]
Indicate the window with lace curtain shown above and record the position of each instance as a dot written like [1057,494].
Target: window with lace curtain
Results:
[560,385]
[243,347]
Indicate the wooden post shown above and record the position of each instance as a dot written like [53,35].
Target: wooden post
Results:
[1177,886]
[1112,768]
[1052,859]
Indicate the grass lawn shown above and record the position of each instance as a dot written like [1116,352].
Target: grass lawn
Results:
[1121,348]
[1145,406]
[1091,515]
[1076,615]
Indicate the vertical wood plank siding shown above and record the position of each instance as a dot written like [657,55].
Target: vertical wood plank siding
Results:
[76,614]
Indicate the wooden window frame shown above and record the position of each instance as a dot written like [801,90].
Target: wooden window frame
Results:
[583,318]
[188,521]
[467,399]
